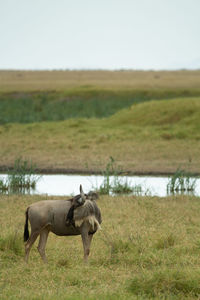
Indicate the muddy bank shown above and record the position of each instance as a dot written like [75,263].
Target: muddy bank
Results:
[45,171]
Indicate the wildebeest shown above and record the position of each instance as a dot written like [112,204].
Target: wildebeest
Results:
[79,215]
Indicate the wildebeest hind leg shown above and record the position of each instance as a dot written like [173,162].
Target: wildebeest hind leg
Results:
[42,243]
[29,244]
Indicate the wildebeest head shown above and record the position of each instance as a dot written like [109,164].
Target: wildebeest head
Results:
[81,198]
[77,201]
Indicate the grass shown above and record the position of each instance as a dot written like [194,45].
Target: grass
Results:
[75,103]
[151,137]
[11,243]
[111,170]
[98,114]
[21,177]
[51,106]
[168,283]
[3,185]
[181,181]
[27,97]
[113,183]
[148,248]
[23,81]
[121,186]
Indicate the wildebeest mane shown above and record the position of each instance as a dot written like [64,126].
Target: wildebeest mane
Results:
[89,208]
[70,214]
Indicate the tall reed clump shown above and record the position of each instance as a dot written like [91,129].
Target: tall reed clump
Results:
[114,183]
[3,185]
[106,186]
[181,181]
[20,178]
[11,242]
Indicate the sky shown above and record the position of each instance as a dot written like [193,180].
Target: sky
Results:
[100,34]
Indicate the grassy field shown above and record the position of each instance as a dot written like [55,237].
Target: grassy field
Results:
[76,120]
[25,97]
[148,248]
[149,137]
[57,106]
[23,81]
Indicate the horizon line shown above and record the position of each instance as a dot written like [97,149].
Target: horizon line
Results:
[97,69]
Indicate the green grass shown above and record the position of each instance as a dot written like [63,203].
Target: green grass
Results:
[148,248]
[181,181]
[3,185]
[21,177]
[160,113]
[38,107]
[11,243]
[112,182]
[170,284]
[74,103]
[168,119]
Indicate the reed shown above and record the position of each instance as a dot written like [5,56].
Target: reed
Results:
[113,183]
[181,181]
[121,186]
[11,243]
[21,178]
[3,185]
[110,170]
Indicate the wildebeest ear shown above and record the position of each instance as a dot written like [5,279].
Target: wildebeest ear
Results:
[81,192]
[92,195]
[81,189]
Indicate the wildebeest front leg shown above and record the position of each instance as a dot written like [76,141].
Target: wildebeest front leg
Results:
[42,243]
[86,239]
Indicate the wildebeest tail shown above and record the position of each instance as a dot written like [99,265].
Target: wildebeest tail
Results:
[26,232]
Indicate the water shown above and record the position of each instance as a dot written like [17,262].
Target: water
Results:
[69,184]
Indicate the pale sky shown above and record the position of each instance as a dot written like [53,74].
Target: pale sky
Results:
[99,34]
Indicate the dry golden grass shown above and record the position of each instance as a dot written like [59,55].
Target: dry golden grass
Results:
[148,249]
[64,153]
[62,80]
